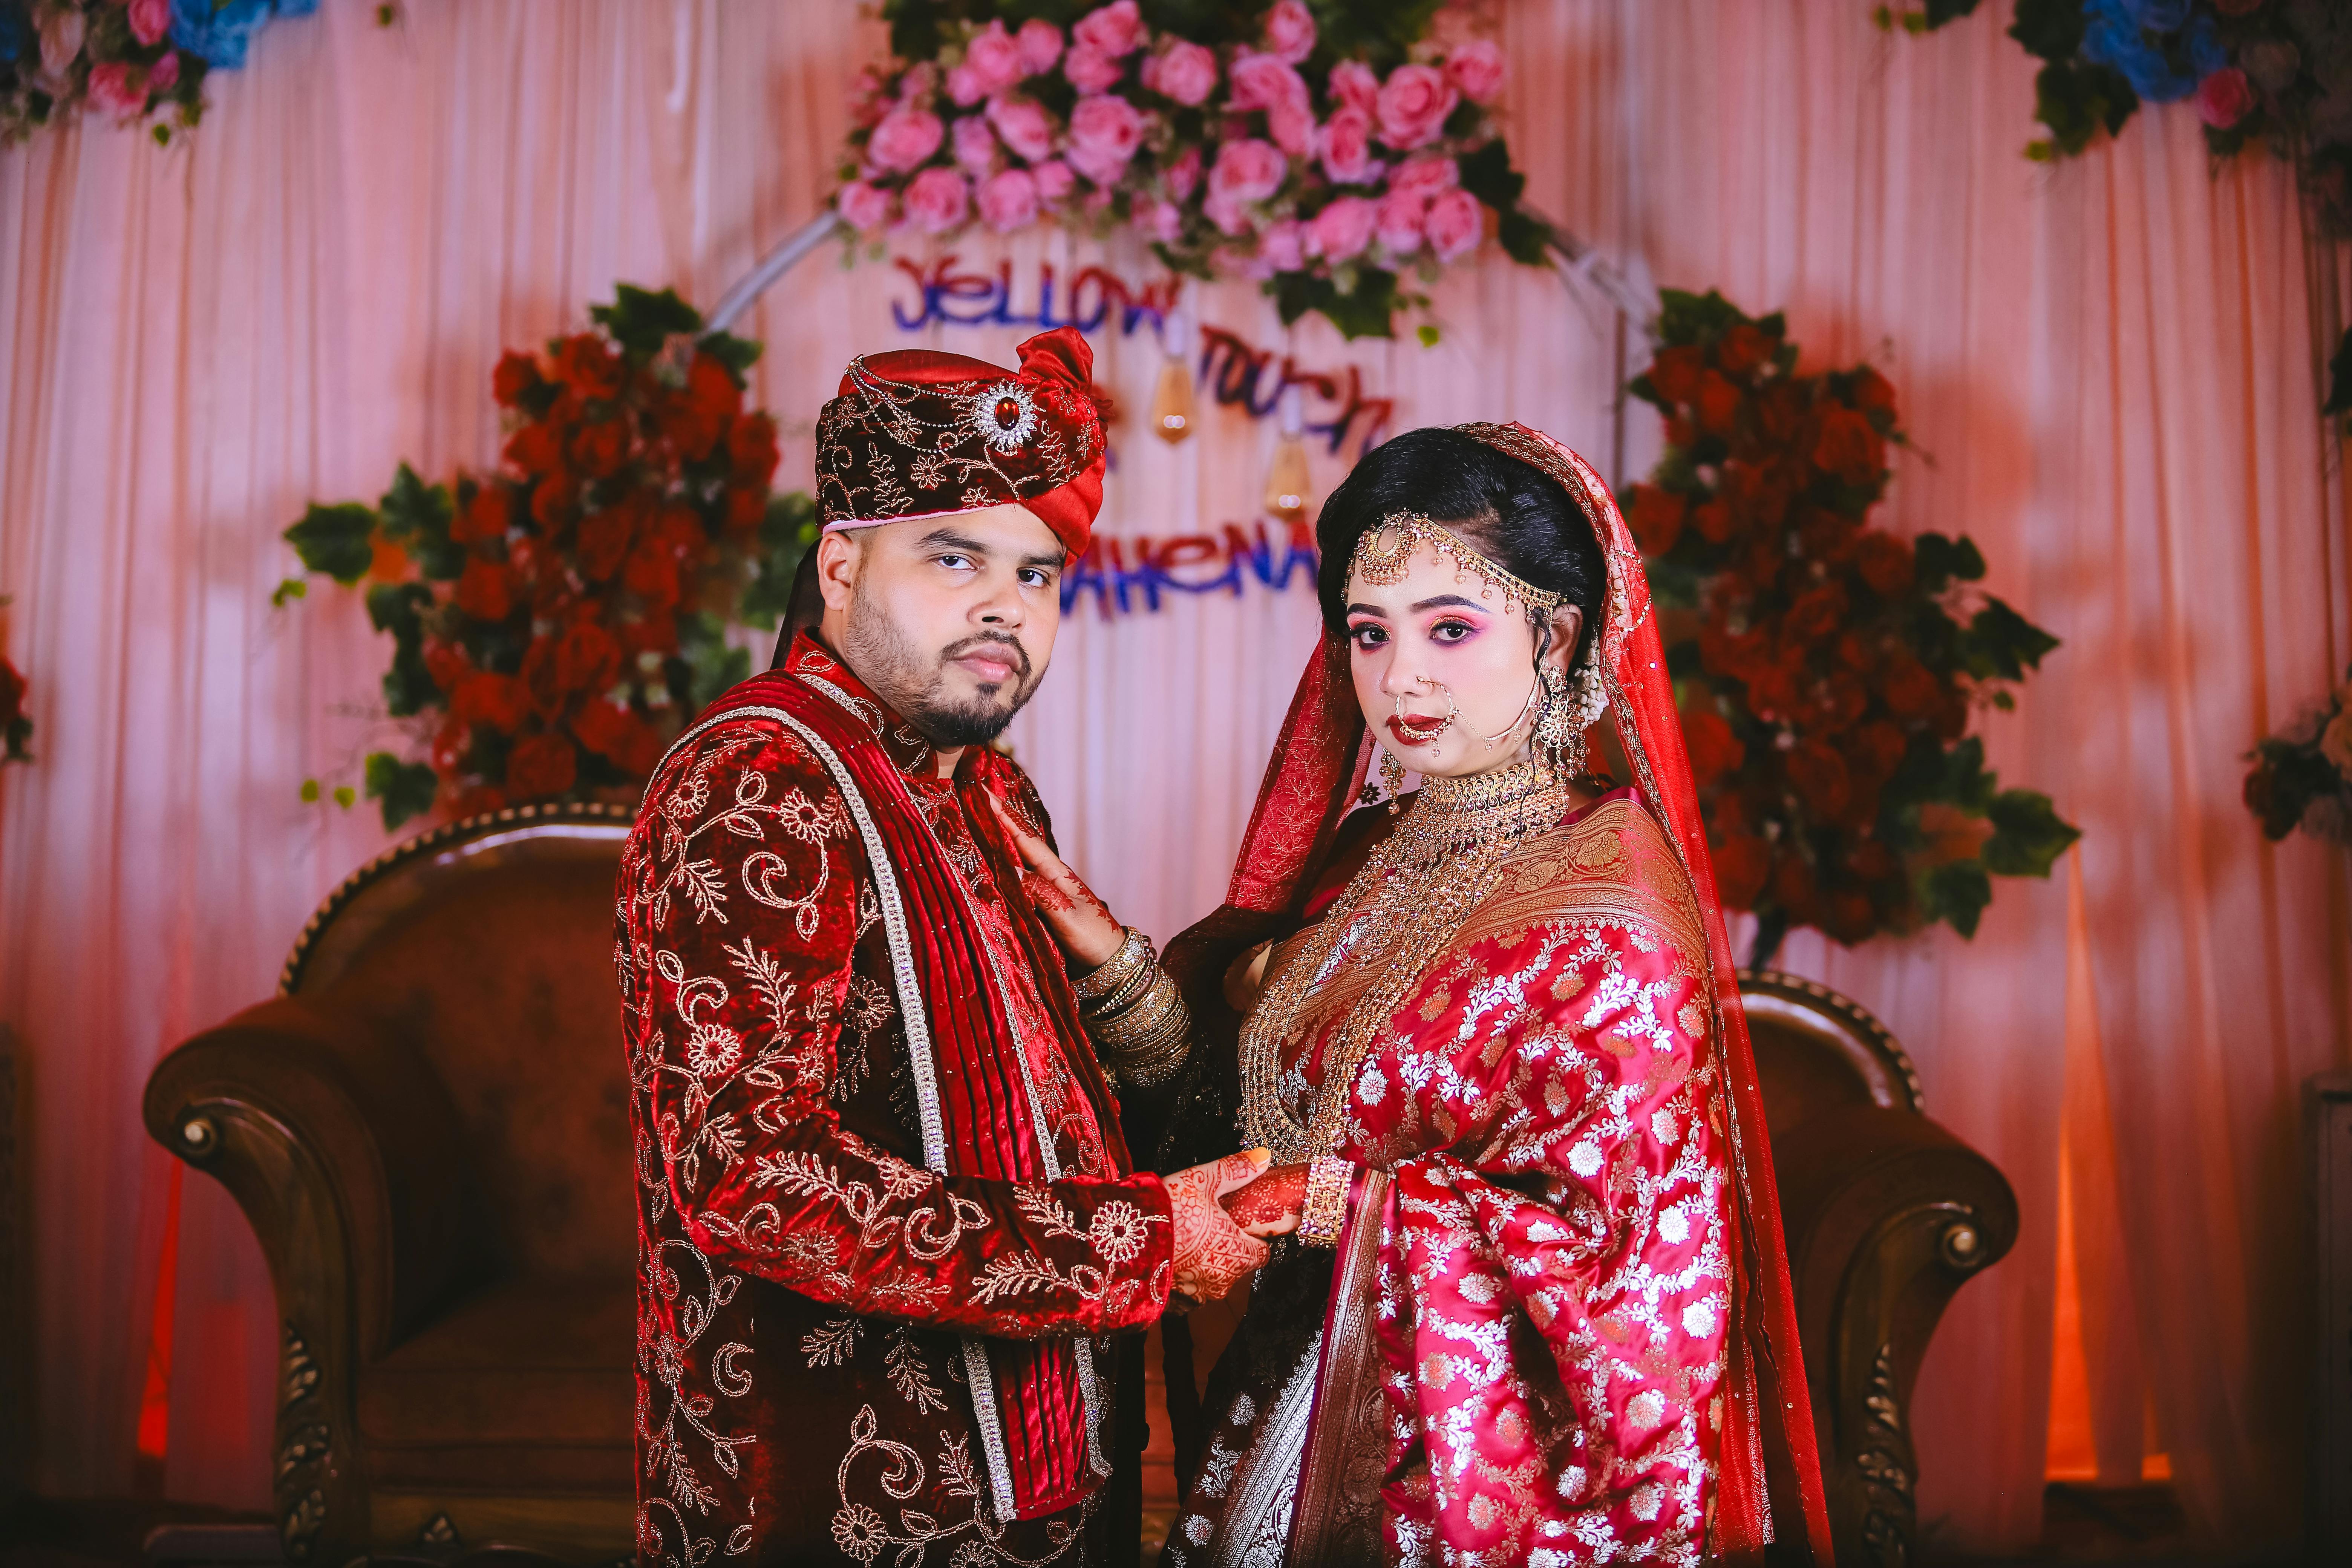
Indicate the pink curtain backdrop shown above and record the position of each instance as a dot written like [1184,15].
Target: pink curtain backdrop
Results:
[2111,370]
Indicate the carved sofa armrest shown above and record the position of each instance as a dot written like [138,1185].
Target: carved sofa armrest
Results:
[342,1149]
[1886,1215]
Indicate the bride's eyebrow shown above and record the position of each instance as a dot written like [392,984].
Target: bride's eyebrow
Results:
[1366,610]
[1447,601]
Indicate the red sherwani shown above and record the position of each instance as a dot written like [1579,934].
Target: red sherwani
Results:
[885,1212]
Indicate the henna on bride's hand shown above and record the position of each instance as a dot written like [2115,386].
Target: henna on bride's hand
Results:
[1211,1253]
[1272,1199]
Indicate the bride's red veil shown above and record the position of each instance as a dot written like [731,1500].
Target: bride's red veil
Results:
[1770,1487]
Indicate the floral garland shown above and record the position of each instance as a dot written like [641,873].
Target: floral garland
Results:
[1335,151]
[556,622]
[2302,776]
[2275,72]
[135,60]
[1827,670]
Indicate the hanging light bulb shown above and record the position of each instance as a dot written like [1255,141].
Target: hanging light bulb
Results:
[1172,399]
[1285,479]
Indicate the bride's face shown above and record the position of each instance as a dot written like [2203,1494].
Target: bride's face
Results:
[1444,674]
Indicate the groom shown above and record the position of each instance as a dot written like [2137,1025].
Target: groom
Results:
[887,1219]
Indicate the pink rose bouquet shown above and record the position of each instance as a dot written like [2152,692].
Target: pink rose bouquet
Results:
[123,60]
[1342,168]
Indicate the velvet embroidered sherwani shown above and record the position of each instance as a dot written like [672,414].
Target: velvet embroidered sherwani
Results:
[886,1214]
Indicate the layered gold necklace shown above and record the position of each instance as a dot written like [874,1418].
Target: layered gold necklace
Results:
[1400,912]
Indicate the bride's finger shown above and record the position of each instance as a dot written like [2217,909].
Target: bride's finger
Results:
[1236,1171]
[1032,844]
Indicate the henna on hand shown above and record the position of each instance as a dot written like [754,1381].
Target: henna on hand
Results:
[1270,1205]
[1212,1253]
[1080,921]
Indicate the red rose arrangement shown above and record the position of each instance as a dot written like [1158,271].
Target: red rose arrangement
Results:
[554,623]
[1828,671]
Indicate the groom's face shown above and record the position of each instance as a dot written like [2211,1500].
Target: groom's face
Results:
[949,620]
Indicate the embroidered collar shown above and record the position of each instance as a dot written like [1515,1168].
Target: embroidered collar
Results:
[811,661]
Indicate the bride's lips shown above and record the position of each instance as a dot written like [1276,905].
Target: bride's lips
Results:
[1415,731]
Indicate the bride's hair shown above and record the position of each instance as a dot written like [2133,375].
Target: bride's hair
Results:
[1512,512]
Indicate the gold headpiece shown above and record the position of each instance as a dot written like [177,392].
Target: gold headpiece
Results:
[1381,553]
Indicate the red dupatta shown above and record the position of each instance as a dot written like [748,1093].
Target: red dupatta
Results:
[1771,1484]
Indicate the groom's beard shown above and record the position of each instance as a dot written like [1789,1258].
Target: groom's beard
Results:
[921,686]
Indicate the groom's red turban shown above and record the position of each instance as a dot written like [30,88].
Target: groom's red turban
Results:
[921,434]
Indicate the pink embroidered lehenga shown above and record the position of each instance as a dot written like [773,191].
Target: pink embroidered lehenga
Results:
[1557,1327]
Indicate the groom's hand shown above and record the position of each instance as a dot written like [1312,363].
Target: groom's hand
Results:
[1079,920]
[1211,1251]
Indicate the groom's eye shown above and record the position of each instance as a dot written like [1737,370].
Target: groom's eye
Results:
[954,562]
[1036,577]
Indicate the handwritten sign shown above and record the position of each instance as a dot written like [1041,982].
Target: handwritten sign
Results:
[1128,576]
[1235,372]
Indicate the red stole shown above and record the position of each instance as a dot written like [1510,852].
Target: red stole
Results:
[1040,1396]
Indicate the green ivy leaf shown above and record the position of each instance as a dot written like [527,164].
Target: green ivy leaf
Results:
[287,588]
[1368,310]
[641,321]
[2002,642]
[1940,561]
[345,795]
[397,608]
[335,540]
[738,354]
[1488,175]
[2050,29]
[406,789]
[416,516]
[1524,239]
[1955,893]
[2027,833]
[310,792]
[1962,780]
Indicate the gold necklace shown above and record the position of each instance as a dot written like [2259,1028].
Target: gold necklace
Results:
[1404,909]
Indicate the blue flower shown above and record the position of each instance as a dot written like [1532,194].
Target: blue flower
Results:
[2159,15]
[15,33]
[219,30]
[2126,35]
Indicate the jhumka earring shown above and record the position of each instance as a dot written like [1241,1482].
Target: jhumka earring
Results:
[1557,739]
[1392,778]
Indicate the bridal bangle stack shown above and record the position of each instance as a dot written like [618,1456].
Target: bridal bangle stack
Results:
[1134,1012]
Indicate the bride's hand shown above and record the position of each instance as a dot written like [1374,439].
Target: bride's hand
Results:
[1211,1251]
[1270,1205]
[1078,919]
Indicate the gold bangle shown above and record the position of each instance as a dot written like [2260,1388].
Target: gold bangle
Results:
[1141,1021]
[1134,954]
[1124,994]
[1151,1063]
[1323,1214]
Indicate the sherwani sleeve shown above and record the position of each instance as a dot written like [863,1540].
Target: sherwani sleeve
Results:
[746,903]
[1579,1194]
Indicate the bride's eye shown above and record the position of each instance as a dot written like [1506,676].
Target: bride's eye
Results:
[1366,636]
[1450,631]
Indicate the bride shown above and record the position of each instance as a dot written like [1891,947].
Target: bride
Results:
[1536,1309]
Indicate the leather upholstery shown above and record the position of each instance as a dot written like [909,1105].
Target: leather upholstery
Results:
[428,1130]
